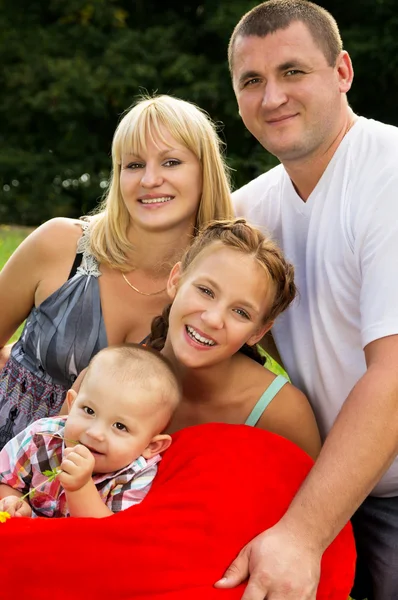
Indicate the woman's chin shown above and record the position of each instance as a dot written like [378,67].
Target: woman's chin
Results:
[192,359]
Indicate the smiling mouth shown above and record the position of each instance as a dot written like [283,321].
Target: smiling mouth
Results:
[280,119]
[93,451]
[200,339]
[162,200]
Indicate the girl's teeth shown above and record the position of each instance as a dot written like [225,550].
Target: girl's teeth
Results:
[199,338]
[156,200]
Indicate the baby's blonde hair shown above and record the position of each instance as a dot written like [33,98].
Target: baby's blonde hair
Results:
[138,366]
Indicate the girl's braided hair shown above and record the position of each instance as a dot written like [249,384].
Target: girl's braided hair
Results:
[238,235]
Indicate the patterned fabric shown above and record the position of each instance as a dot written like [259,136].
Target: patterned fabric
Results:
[29,454]
[59,339]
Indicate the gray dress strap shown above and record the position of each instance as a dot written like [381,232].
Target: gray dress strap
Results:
[59,339]
[67,329]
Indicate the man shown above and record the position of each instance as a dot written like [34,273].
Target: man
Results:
[332,205]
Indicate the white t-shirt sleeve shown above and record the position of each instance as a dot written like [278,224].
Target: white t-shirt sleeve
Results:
[376,248]
[241,201]
[258,200]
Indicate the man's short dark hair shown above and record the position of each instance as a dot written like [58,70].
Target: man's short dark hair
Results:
[273,15]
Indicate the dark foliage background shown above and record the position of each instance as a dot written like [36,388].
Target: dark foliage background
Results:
[71,67]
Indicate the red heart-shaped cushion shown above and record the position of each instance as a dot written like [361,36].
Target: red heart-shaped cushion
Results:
[218,486]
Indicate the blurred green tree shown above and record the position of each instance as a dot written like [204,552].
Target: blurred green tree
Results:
[70,69]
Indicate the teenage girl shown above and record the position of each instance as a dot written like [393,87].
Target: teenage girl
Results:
[230,286]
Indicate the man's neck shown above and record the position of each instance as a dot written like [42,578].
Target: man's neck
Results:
[305,174]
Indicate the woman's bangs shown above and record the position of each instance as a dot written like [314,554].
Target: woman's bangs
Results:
[148,128]
[132,138]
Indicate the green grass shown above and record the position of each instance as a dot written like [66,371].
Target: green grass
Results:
[10,238]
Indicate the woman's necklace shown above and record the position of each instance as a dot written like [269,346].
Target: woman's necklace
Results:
[139,291]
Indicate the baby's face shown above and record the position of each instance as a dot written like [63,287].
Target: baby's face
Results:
[115,422]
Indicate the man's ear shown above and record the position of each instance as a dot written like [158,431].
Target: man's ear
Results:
[174,278]
[345,71]
[260,333]
[70,398]
[158,444]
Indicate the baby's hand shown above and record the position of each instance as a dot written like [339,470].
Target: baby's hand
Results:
[15,507]
[77,468]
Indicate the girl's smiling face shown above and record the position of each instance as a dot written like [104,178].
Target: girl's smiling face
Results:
[219,304]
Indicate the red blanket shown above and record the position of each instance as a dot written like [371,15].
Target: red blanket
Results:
[217,487]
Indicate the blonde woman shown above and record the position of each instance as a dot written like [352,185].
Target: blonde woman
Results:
[83,285]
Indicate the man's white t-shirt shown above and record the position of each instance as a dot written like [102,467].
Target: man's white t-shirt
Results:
[343,243]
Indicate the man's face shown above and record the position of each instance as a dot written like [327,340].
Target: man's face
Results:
[289,97]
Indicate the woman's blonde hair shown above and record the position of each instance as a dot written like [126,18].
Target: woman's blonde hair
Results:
[189,126]
[238,235]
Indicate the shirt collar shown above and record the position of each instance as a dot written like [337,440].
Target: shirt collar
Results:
[139,465]
[51,439]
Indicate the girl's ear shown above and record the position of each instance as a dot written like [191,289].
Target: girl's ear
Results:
[260,333]
[174,278]
[158,444]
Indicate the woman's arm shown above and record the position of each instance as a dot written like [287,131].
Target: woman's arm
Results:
[35,270]
[5,352]
[290,415]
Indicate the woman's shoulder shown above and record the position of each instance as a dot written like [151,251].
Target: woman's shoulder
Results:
[262,379]
[61,226]
[53,241]
[289,394]
[259,374]
[57,236]
[280,407]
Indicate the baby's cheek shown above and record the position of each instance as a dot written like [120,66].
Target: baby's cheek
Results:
[72,432]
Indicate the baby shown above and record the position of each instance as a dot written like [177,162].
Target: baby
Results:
[106,449]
